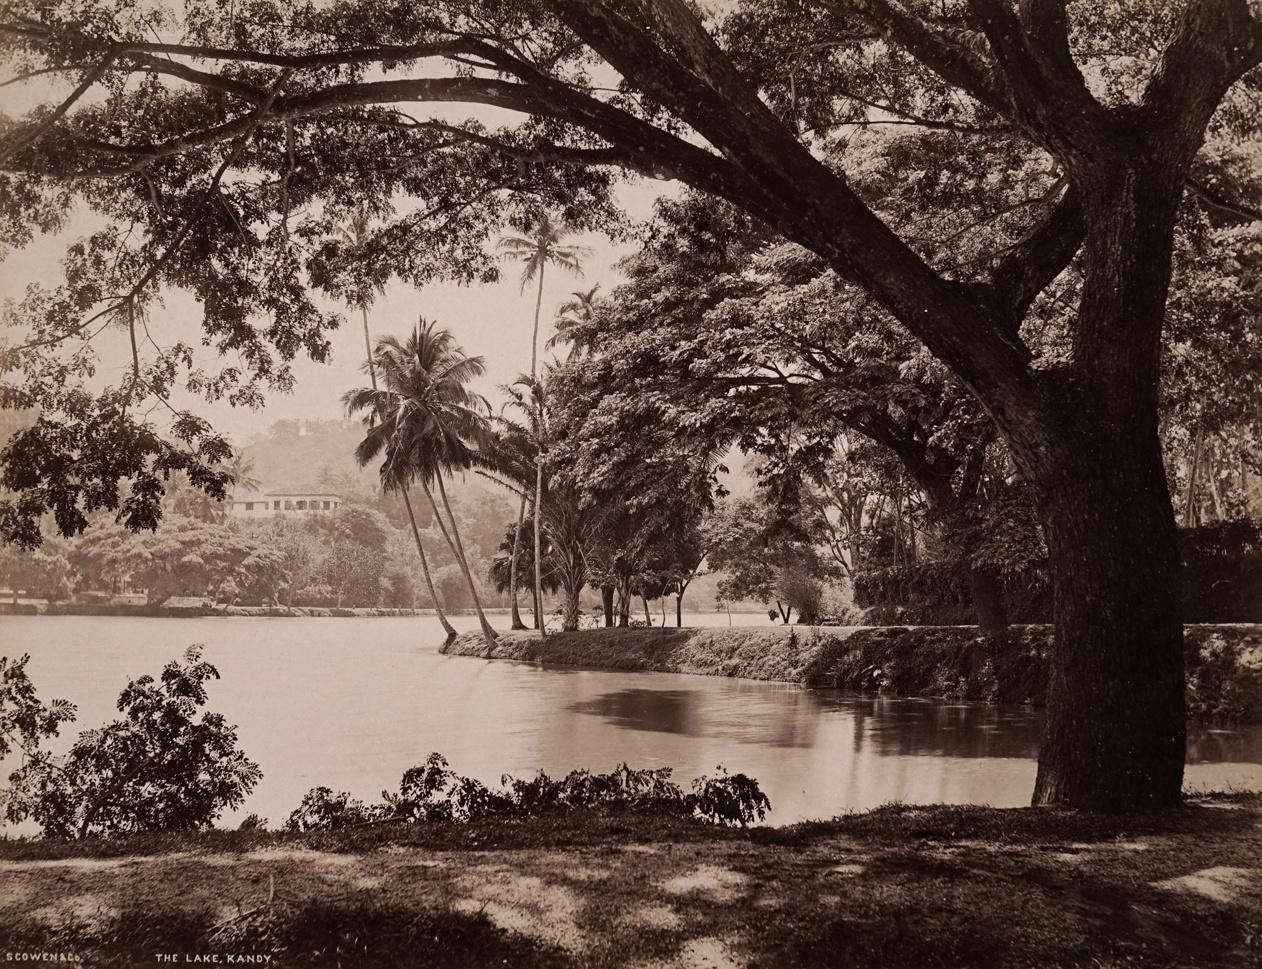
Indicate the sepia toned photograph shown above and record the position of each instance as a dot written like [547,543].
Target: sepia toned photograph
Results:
[664,484]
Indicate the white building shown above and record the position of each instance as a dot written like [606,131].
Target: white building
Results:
[285,503]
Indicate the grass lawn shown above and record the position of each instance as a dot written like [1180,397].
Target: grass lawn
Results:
[897,887]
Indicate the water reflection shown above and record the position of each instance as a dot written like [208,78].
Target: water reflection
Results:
[353,703]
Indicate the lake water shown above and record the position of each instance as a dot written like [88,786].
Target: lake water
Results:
[352,703]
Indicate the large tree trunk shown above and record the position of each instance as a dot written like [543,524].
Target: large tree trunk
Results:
[1114,735]
[512,565]
[606,600]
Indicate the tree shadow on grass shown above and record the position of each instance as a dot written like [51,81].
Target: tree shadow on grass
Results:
[355,934]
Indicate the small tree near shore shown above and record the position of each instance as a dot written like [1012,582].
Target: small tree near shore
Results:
[159,768]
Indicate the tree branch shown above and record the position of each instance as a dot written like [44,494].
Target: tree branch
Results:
[1237,211]
[329,58]
[1049,97]
[27,136]
[952,61]
[1027,268]
[699,84]
[1214,44]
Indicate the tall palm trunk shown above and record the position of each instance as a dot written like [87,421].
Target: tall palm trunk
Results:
[429,581]
[372,368]
[512,565]
[407,502]
[534,377]
[457,549]
[539,621]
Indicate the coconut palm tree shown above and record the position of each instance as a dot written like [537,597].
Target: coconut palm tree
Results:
[425,423]
[573,322]
[355,234]
[508,458]
[395,474]
[242,471]
[544,246]
[521,439]
[523,442]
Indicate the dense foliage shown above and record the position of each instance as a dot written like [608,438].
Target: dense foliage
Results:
[159,767]
[968,231]
[433,792]
[1222,582]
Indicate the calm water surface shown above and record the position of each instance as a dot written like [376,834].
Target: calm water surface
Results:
[352,703]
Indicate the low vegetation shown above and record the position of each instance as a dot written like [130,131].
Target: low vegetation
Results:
[163,769]
[433,792]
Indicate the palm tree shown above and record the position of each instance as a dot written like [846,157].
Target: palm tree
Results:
[242,471]
[544,246]
[520,440]
[523,441]
[356,235]
[425,423]
[573,321]
[509,458]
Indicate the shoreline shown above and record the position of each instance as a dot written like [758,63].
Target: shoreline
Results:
[1223,660]
[210,612]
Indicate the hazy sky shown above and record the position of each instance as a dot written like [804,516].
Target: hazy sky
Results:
[493,321]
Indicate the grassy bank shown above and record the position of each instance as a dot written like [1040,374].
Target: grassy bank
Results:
[896,887]
[1224,662]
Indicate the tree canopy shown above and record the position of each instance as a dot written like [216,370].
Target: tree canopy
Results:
[225,151]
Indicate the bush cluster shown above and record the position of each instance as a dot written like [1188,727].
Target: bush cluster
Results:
[160,767]
[433,792]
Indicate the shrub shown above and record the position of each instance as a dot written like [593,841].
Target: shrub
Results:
[158,768]
[322,810]
[314,595]
[729,799]
[423,792]
[434,792]
[25,721]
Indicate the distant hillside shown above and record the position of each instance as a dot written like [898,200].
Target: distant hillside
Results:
[310,455]
[319,455]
